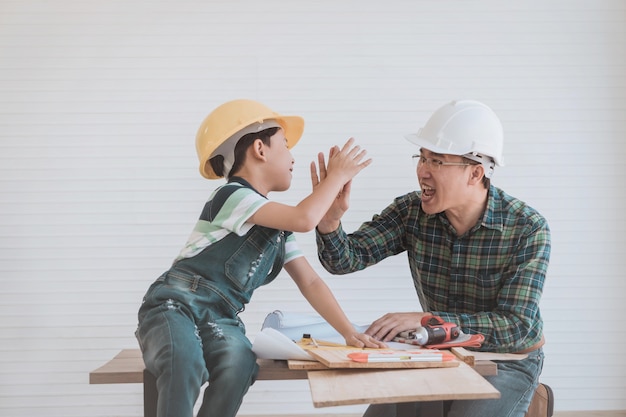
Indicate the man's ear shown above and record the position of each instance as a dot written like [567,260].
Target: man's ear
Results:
[477,174]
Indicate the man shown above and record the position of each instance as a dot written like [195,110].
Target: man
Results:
[478,256]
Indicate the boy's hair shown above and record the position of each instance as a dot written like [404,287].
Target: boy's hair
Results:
[217,162]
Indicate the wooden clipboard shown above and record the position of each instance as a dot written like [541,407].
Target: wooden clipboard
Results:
[337,358]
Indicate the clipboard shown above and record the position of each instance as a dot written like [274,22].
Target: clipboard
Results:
[338,358]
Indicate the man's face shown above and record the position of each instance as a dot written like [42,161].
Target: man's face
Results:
[443,179]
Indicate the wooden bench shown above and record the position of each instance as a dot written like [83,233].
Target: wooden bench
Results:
[127,367]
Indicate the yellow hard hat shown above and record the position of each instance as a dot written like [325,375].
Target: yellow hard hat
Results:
[226,121]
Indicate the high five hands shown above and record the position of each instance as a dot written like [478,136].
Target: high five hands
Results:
[337,158]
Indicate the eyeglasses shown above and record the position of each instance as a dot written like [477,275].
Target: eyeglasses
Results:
[434,163]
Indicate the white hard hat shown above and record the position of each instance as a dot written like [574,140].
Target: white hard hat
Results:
[463,127]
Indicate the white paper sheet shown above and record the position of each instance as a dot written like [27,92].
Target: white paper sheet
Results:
[272,344]
[294,325]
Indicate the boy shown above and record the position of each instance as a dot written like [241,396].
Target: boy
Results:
[189,330]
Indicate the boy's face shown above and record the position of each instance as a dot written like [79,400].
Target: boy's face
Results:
[280,161]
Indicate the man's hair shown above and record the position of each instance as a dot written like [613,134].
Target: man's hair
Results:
[217,162]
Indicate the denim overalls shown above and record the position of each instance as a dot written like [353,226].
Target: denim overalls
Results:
[189,330]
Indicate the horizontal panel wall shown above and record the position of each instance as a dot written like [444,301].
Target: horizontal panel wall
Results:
[100,102]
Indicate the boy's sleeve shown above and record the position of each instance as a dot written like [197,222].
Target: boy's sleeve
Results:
[232,211]
[292,250]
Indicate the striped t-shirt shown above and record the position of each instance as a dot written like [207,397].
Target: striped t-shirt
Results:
[227,211]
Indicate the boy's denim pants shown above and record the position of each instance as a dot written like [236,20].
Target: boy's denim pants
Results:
[184,355]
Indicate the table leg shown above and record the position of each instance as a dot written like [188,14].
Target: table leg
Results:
[406,410]
[422,409]
[432,408]
[150,394]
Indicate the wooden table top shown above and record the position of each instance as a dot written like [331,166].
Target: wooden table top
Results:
[332,387]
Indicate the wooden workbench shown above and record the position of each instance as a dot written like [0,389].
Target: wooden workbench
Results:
[331,387]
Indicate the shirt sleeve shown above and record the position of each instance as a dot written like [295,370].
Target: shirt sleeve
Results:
[375,240]
[236,209]
[292,250]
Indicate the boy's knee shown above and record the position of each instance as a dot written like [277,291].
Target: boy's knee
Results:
[238,357]
[238,362]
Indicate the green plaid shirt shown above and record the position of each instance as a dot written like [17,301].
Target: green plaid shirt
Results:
[488,281]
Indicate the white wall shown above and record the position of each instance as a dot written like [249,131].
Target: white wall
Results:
[100,102]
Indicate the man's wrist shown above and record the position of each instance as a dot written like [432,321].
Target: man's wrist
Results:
[325,228]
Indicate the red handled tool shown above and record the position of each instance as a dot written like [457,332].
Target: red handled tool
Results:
[434,330]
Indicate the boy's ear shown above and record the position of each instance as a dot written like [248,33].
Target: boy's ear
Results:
[258,148]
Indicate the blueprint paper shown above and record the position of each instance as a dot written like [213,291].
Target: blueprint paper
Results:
[294,325]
